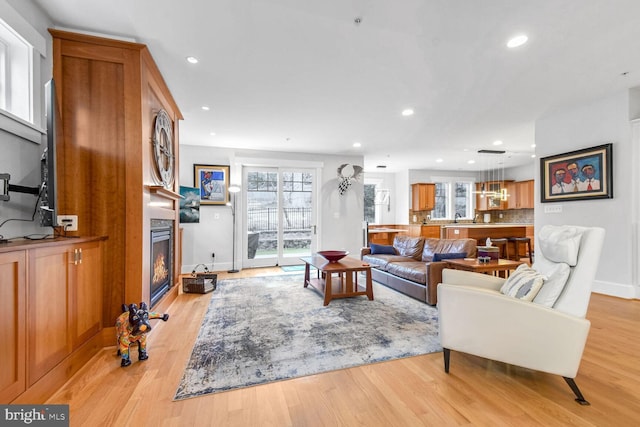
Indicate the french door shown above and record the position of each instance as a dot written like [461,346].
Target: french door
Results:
[280,215]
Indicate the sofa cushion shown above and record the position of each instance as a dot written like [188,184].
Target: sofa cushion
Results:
[409,246]
[442,246]
[453,255]
[524,283]
[381,261]
[416,271]
[382,249]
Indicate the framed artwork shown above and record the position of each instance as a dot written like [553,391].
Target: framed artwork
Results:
[189,204]
[213,183]
[577,175]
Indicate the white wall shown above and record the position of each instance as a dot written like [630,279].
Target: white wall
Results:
[21,158]
[340,217]
[595,123]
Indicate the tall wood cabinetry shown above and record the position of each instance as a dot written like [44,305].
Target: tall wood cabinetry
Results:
[110,93]
[423,196]
[51,299]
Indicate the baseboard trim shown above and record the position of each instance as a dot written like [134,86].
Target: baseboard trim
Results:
[620,290]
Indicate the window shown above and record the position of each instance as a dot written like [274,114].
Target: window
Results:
[369,203]
[22,52]
[453,196]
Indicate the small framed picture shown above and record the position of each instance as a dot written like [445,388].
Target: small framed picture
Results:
[577,175]
[213,183]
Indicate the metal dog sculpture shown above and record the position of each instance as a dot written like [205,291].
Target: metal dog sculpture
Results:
[132,327]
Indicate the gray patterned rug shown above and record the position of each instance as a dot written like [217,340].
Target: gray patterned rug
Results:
[271,328]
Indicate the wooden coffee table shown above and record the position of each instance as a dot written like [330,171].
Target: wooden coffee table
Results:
[499,267]
[338,279]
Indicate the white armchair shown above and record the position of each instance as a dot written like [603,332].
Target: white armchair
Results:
[476,318]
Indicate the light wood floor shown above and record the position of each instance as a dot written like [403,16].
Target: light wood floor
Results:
[408,392]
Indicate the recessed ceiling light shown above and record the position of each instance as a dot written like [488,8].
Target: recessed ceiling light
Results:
[205,108]
[357,144]
[212,134]
[533,155]
[497,142]
[471,162]
[533,145]
[517,41]
[192,59]
[407,112]
[439,160]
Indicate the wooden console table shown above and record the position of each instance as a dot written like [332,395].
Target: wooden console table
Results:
[345,284]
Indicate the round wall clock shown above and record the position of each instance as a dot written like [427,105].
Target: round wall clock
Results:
[163,148]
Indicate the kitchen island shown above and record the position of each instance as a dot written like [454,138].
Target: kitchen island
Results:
[480,232]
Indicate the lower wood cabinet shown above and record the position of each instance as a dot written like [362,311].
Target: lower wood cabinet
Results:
[52,307]
[13,318]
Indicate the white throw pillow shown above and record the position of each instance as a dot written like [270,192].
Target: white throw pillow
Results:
[523,283]
[557,275]
[560,243]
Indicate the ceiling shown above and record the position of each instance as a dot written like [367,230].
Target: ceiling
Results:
[303,76]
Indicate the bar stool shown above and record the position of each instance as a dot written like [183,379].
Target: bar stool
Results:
[516,247]
[503,247]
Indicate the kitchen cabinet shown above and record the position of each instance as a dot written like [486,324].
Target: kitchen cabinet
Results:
[423,196]
[50,304]
[520,195]
[484,202]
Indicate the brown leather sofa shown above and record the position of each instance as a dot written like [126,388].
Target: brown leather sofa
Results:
[411,270]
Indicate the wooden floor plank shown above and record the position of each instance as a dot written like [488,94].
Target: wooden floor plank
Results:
[408,392]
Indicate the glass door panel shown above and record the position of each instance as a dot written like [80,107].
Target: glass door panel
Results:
[280,216]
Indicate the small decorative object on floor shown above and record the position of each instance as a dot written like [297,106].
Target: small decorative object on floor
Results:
[132,327]
[199,283]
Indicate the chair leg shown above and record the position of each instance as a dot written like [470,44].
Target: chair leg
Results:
[574,387]
[446,353]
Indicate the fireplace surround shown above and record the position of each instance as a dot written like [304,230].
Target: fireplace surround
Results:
[161,264]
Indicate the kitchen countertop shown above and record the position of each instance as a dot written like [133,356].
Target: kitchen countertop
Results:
[483,225]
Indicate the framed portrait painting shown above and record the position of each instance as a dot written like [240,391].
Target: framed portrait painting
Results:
[577,175]
[213,183]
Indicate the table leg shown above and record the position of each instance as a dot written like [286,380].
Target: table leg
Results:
[369,284]
[306,274]
[327,288]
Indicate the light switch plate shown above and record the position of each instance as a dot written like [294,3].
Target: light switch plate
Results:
[552,208]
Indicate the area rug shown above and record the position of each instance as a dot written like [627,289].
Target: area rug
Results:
[290,268]
[270,328]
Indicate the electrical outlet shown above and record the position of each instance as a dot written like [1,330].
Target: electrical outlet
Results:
[68,222]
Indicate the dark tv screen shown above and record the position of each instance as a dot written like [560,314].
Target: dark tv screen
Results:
[48,196]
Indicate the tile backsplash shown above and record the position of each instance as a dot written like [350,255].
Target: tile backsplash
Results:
[513,216]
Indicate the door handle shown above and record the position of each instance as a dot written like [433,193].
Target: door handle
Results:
[314,229]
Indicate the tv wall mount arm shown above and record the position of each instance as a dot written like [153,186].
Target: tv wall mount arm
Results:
[5,188]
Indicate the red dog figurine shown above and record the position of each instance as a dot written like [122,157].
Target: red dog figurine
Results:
[132,327]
